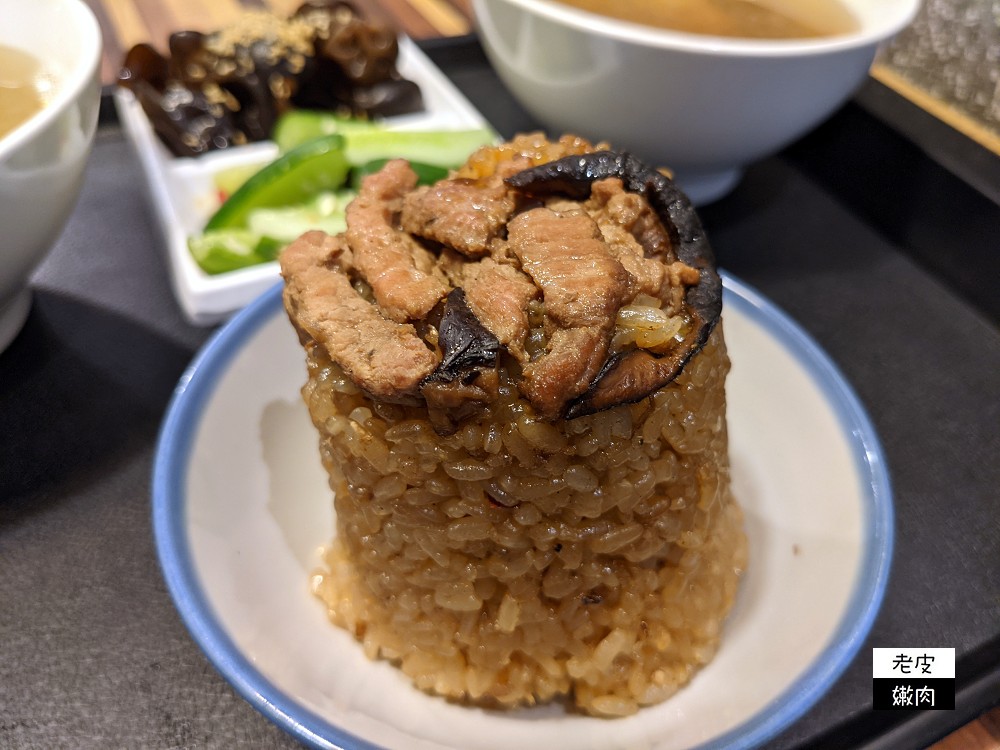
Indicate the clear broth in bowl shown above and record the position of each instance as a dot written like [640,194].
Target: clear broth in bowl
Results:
[24,88]
[791,19]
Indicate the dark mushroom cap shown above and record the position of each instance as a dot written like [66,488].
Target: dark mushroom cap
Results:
[634,375]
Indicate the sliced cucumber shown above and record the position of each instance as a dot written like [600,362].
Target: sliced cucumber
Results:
[326,212]
[228,181]
[301,125]
[301,190]
[295,177]
[443,148]
[226,250]
[368,140]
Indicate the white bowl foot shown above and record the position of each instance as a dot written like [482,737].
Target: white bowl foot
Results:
[704,187]
[12,316]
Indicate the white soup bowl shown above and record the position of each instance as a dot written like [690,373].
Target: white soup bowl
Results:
[703,106]
[42,160]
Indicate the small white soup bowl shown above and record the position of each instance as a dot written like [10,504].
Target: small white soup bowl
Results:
[42,160]
[702,106]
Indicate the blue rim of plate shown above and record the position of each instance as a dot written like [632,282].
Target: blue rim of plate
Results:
[199,381]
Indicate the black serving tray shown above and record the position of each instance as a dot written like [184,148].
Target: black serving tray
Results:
[883,253]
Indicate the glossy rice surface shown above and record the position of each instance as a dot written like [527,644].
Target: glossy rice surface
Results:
[517,561]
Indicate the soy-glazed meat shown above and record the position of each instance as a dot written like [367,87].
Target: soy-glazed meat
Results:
[401,272]
[387,359]
[594,247]
[583,287]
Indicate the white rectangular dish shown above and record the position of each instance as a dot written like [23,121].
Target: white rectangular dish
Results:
[182,190]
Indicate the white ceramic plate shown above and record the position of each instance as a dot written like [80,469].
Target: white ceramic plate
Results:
[183,196]
[241,507]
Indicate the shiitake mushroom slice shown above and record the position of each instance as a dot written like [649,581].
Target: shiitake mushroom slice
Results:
[634,375]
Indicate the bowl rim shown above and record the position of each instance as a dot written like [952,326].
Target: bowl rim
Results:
[76,79]
[716,46]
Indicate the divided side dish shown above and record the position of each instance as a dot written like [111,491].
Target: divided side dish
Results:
[182,190]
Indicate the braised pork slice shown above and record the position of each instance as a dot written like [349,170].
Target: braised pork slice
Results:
[384,358]
[583,287]
[580,277]
[400,271]
[629,226]
[466,215]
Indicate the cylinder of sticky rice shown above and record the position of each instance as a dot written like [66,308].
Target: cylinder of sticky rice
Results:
[524,549]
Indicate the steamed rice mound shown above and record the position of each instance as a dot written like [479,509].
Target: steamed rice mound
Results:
[516,560]
[518,379]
